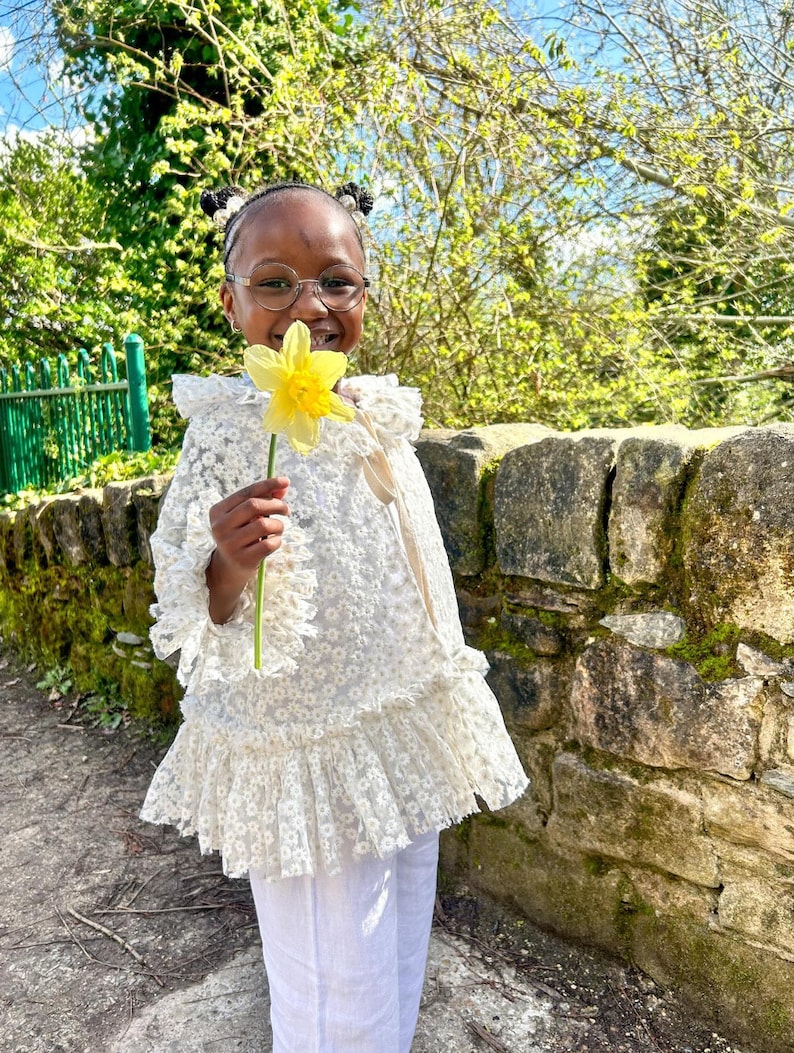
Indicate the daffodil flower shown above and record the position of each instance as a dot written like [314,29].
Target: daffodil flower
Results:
[300,382]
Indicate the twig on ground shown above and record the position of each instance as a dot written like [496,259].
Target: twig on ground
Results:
[162,910]
[116,938]
[120,766]
[490,1040]
[140,888]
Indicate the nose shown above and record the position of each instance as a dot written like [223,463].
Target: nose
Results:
[308,305]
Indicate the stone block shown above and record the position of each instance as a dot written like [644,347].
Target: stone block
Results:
[753,814]
[551,886]
[77,527]
[773,744]
[545,640]
[455,465]
[780,779]
[739,534]
[742,991]
[658,711]
[42,523]
[650,477]
[759,664]
[666,895]
[760,910]
[549,505]
[23,539]
[531,696]
[146,498]
[578,607]
[656,629]
[120,524]
[609,813]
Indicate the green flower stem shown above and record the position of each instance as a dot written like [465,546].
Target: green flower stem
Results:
[260,575]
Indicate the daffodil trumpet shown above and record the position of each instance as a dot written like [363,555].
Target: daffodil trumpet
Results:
[299,381]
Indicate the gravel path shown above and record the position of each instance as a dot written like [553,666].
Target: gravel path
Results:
[119,936]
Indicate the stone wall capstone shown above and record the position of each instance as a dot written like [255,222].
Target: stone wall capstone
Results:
[634,592]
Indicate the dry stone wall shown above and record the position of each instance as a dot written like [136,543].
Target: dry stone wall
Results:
[75,588]
[634,591]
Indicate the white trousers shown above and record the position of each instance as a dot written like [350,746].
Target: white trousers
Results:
[345,955]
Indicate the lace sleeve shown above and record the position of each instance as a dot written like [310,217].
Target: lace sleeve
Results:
[182,546]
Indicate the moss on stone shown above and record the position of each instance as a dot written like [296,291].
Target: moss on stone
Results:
[712,654]
[494,638]
[739,988]
[599,760]
[70,616]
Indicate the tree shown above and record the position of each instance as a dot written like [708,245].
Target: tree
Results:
[58,277]
[628,123]
[582,218]
[179,96]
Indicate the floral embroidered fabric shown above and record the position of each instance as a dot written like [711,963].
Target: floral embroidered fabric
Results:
[366,725]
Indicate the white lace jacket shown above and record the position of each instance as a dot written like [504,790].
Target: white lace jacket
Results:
[366,726]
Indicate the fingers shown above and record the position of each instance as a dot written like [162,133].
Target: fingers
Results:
[265,489]
[245,524]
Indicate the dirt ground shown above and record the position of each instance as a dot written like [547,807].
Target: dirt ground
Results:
[102,915]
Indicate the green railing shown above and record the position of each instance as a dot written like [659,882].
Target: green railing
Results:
[50,433]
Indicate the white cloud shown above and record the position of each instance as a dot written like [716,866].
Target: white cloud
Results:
[54,136]
[6,48]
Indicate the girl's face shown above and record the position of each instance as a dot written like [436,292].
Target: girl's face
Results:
[309,234]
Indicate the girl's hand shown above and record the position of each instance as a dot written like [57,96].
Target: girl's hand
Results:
[245,533]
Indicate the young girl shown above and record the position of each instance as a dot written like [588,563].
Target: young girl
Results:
[327,773]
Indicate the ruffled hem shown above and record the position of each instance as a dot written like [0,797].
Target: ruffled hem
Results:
[367,790]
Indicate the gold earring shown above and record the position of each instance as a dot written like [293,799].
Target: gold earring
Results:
[235,328]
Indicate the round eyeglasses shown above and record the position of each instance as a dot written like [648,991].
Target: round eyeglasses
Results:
[275,286]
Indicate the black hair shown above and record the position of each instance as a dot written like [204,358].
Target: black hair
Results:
[215,201]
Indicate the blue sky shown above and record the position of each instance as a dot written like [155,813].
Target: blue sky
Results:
[22,91]
[26,101]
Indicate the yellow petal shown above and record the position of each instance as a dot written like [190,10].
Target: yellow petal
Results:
[280,413]
[297,346]
[329,366]
[340,410]
[303,433]
[265,367]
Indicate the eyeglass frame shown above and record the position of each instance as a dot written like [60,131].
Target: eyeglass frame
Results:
[238,279]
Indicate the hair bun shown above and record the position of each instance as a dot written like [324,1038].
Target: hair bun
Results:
[220,205]
[362,199]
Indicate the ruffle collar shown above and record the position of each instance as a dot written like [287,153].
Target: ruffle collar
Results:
[393,409]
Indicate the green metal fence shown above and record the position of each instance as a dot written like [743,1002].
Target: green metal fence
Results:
[50,433]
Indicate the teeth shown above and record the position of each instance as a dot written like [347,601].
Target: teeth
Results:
[323,339]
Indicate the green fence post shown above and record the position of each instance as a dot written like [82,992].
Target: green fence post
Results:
[139,400]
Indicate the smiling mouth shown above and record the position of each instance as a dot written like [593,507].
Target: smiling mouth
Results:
[319,340]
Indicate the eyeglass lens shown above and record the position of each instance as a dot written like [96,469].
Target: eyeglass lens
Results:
[275,286]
